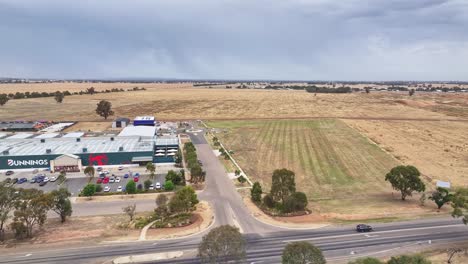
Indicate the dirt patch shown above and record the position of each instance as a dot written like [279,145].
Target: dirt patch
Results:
[203,217]
[125,197]
[90,127]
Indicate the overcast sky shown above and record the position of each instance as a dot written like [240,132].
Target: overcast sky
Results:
[235,39]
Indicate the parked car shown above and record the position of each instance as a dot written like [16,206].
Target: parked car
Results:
[106,172]
[33,180]
[99,169]
[42,183]
[15,180]
[46,179]
[363,228]
[111,179]
[8,173]
[137,174]
[119,189]
[158,185]
[52,179]
[126,175]
[135,179]
[99,181]
[105,180]
[106,189]
[102,175]
[22,180]
[121,168]
[118,179]
[151,187]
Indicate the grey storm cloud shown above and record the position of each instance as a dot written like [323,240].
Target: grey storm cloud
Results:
[243,39]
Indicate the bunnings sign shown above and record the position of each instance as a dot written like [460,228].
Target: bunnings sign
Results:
[21,163]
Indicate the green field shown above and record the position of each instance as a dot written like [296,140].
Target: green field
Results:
[330,159]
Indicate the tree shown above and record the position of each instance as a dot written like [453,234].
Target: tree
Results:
[59,96]
[62,177]
[8,199]
[3,99]
[295,202]
[90,90]
[168,186]
[405,259]
[61,203]
[184,200]
[151,168]
[89,171]
[282,184]
[367,89]
[460,204]
[440,197]
[411,92]
[89,190]
[31,210]
[367,260]
[406,180]
[196,172]
[222,244]
[104,109]
[98,187]
[256,192]
[131,187]
[173,176]
[161,206]
[268,201]
[130,210]
[302,252]
[147,184]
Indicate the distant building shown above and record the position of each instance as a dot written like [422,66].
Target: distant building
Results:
[120,122]
[144,121]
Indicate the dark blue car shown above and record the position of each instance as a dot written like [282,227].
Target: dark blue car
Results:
[22,180]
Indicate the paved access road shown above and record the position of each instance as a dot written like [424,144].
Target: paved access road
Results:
[265,242]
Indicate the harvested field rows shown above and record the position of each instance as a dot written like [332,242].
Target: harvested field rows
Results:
[330,159]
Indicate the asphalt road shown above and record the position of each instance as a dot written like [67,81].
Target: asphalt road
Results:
[265,242]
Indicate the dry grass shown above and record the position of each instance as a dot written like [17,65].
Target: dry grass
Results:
[340,170]
[179,101]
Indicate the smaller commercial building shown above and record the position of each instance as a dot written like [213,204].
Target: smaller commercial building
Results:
[120,122]
[166,148]
[144,121]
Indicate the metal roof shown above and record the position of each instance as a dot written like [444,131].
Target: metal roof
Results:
[74,135]
[47,135]
[34,146]
[143,131]
[167,140]
[21,135]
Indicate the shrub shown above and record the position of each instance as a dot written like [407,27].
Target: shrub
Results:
[98,188]
[295,202]
[268,201]
[169,186]
[89,190]
[131,187]
[256,192]
[140,186]
[241,179]
[147,184]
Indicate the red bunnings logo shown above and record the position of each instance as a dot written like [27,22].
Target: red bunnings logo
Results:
[101,159]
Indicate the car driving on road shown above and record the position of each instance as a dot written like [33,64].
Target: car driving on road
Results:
[363,228]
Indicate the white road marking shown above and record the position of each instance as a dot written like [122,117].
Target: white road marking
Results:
[28,255]
[376,232]
[371,235]
[234,220]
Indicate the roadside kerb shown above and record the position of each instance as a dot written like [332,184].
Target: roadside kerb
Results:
[229,155]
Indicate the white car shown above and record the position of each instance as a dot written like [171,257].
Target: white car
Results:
[121,167]
[117,179]
[106,189]
[46,179]
[119,189]
[111,179]
[151,187]
[158,185]
[52,179]
[106,172]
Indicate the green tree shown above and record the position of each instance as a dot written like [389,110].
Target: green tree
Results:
[282,184]
[62,178]
[130,210]
[440,197]
[89,171]
[367,260]
[405,179]
[196,172]
[256,192]
[223,244]
[3,99]
[405,259]
[168,186]
[184,200]
[59,96]
[8,198]
[104,109]
[295,202]
[175,177]
[31,210]
[98,187]
[268,201]
[61,203]
[302,253]
[89,190]
[460,204]
[151,168]
[131,187]
[147,184]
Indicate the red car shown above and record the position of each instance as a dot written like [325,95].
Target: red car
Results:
[105,180]
[99,181]
[135,179]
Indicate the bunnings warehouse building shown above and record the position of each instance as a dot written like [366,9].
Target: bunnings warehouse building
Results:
[131,146]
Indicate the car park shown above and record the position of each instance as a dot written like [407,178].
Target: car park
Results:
[8,173]
[363,228]
[158,185]
[52,179]
[118,179]
[106,189]
[119,189]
